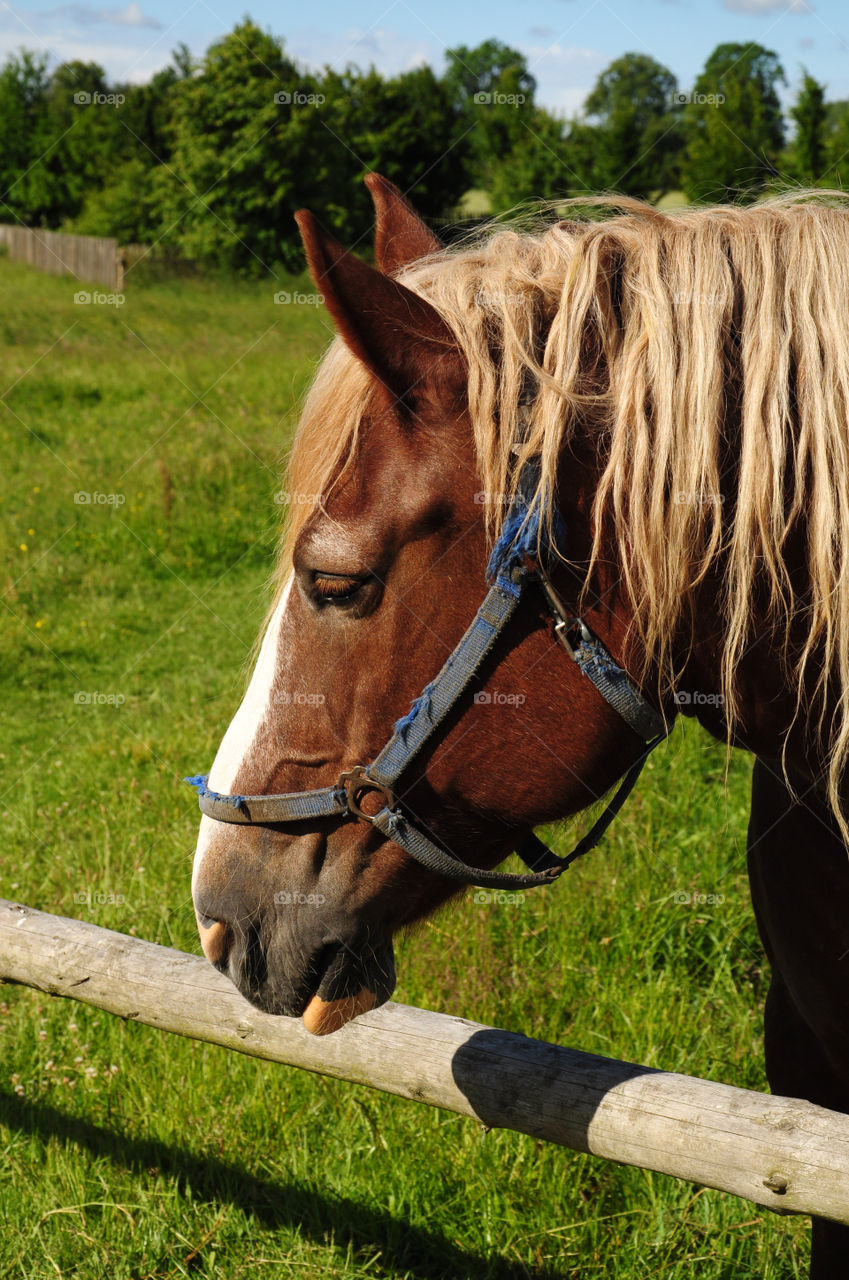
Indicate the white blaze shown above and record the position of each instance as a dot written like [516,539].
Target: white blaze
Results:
[243,728]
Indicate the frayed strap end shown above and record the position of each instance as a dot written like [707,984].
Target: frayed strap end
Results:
[199,780]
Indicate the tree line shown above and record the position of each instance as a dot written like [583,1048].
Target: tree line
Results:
[211,157]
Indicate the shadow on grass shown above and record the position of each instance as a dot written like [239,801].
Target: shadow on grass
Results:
[410,1250]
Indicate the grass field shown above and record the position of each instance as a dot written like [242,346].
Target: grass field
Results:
[129,618]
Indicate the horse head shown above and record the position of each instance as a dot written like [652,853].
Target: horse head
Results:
[384,571]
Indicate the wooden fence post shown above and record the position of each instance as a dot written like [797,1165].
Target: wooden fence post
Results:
[786,1154]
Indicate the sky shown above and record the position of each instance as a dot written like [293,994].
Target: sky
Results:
[567,42]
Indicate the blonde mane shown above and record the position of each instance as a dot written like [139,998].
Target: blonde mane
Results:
[658,333]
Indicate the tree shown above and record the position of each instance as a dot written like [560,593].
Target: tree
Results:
[806,158]
[491,93]
[23,93]
[255,137]
[146,116]
[81,141]
[404,127]
[733,124]
[836,170]
[247,140]
[123,207]
[482,70]
[582,157]
[639,140]
[536,167]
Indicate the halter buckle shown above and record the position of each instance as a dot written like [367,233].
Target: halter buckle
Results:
[572,634]
[355,783]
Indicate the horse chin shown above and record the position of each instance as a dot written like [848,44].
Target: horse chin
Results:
[323,1017]
[351,985]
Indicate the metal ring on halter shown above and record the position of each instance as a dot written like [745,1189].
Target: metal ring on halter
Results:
[355,783]
[566,628]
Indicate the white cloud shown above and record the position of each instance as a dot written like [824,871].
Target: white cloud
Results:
[768,6]
[389,52]
[132,16]
[565,74]
[130,45]
[121,60]
[83,15]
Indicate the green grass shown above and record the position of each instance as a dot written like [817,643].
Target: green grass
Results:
[672,200]
[127,1153]
[475,203]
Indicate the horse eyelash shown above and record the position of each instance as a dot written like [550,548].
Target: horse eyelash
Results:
[333,587]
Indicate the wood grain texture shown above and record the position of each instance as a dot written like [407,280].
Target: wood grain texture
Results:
[784,1153]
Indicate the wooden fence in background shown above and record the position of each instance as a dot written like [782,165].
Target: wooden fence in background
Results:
[780,1152]
[90,259]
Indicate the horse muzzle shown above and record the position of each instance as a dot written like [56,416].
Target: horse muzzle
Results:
[312,971]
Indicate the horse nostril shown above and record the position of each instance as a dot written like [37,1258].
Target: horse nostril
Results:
[215,938]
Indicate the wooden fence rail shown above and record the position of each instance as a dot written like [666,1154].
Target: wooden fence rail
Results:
[90,259]
[786,1154]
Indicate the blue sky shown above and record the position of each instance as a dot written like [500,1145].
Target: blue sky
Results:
[567,42]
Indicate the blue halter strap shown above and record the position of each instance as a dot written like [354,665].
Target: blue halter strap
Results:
[516,561]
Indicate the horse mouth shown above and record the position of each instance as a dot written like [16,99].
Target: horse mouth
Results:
[339,984]
[352,983]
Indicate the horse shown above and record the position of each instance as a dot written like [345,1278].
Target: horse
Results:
[615,446]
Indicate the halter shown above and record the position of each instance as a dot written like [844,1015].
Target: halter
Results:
[517,560]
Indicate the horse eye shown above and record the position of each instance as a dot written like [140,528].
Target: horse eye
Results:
[334,588]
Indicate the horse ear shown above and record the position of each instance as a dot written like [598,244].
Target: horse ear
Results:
[396,333]
[400,235]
